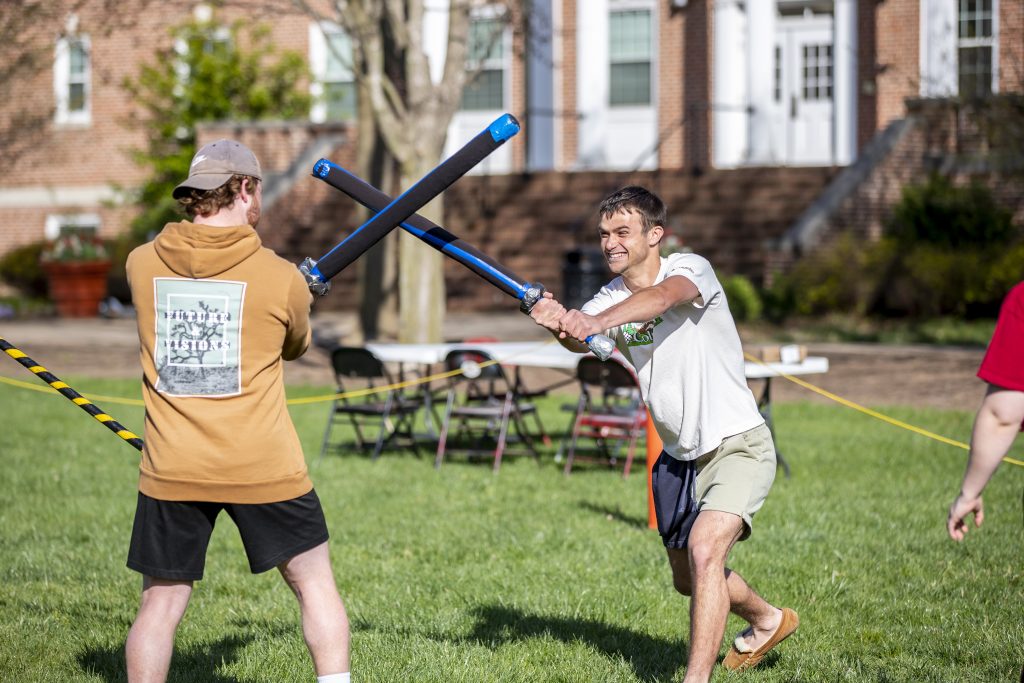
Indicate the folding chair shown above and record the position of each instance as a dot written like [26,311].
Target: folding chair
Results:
[480,407]
[608,415]
[391,412]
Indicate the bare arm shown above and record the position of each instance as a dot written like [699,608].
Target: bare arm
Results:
[995,427]
[643,305]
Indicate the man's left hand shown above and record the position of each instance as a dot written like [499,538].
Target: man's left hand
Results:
[956,523]
[579,325]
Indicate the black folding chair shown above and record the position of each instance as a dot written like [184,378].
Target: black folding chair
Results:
[609,415]
[391,412]
[481,406]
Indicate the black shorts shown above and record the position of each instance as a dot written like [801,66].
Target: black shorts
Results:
[672,483]
[169,538]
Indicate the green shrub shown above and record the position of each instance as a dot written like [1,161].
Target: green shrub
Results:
[835,279]
[945,215]
[20,268]
[744,301]
[957,253]
[948,251]
[1005,271]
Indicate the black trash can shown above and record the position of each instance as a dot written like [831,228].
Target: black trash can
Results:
[584,271]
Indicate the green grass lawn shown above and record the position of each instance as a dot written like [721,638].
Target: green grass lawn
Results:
[461,575]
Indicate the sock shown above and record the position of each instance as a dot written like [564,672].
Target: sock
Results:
[335,678]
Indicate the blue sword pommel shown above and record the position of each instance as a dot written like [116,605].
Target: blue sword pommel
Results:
[504,127]
[314,279]
[322,168]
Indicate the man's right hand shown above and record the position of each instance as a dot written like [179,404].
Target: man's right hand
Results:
[547,312]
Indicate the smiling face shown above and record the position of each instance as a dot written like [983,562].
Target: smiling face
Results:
[625,245]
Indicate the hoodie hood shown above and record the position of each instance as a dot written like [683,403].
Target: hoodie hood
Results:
[203,251]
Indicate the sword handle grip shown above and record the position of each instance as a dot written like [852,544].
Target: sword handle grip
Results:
[314,280]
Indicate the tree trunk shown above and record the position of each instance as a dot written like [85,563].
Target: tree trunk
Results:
[378,267]
[421,282]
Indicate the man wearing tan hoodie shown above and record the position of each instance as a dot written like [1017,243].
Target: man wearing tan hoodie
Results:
[218,314]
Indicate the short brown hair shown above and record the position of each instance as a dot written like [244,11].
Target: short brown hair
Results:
[205,202]
[635,198]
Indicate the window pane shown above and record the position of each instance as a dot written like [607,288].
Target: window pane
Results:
[81,229]
[339,57]
[630,35]
[485,91]
[817,82]
[778,73]
[79,58]
[485,40]
[76,97]
[630,84]
[975,71]
[340,98]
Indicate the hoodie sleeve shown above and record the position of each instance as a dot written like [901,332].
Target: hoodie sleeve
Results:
[297,337]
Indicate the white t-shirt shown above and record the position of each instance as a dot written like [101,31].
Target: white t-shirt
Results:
[689,362]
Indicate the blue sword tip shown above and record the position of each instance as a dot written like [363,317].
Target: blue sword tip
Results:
[504,127]
[321,168]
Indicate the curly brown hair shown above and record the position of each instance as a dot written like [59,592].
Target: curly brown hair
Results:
[207,202]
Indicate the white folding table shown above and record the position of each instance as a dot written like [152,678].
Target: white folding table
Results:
[551,354]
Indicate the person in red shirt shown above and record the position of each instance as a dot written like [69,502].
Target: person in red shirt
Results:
[1001,414]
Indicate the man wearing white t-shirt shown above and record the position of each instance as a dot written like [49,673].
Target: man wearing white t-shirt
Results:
[669,317]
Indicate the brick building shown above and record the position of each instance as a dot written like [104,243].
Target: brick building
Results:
[740,112]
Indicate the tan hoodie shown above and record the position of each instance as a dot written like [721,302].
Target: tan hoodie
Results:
[217,315]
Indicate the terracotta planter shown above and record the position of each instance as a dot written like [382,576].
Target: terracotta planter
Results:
[77,287]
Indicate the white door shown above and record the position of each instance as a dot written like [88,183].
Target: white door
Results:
[804,79]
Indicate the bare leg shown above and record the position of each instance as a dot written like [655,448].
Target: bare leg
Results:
[150,642]
[700,571]
[324,622]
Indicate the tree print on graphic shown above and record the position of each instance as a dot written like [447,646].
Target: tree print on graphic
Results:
[197,335]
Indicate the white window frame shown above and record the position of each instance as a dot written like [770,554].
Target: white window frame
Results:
[502,63]
[318,54]
[616,6]
[62,81]
[57,222]
[990,41]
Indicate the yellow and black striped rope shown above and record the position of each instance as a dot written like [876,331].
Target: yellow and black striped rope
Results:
[70,394]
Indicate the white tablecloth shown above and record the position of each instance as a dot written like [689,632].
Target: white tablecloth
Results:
[553,355]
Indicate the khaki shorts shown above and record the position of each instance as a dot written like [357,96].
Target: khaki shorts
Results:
[736,476]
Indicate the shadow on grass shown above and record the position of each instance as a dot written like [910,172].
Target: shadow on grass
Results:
[615,514]
[652,658]
[194,664]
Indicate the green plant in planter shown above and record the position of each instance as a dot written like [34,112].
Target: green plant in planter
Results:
[77,247]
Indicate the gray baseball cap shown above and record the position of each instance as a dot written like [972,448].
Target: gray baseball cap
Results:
[215,163]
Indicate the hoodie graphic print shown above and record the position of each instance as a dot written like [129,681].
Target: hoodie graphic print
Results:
[198,336]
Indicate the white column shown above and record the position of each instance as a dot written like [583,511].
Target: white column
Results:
[761,79]
[938,48]
[540,105]
[592,81]
[844,86]
[729,85]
